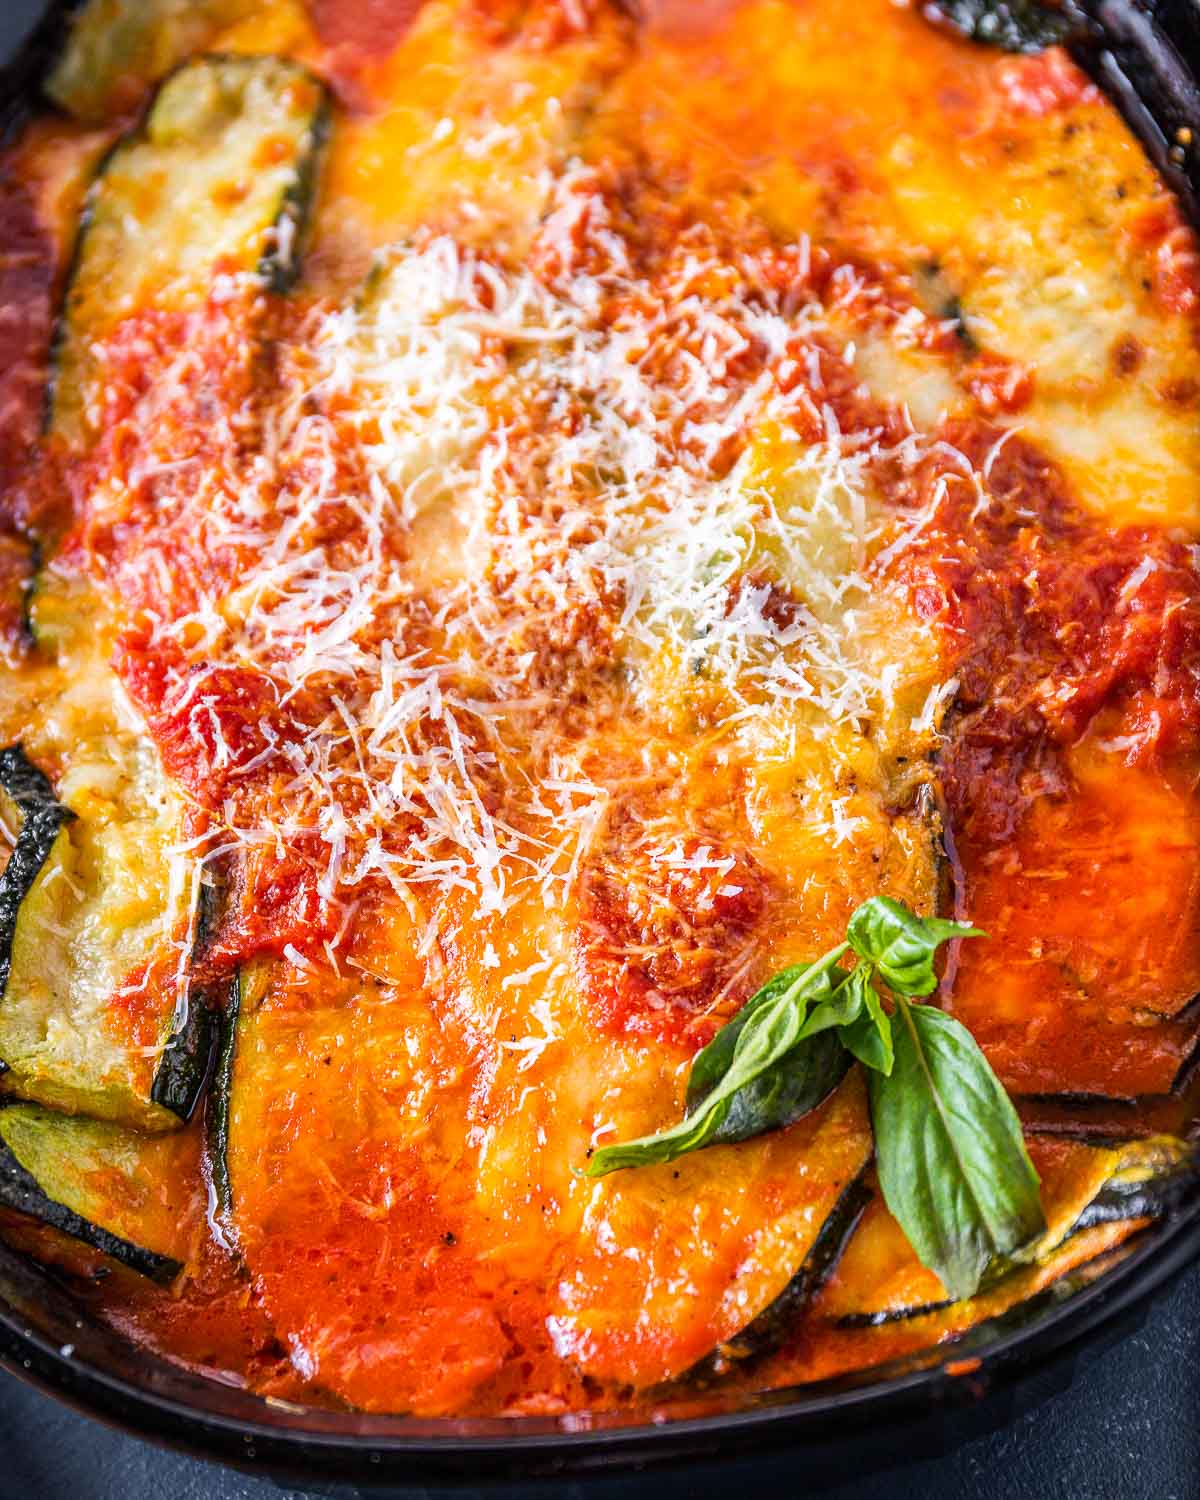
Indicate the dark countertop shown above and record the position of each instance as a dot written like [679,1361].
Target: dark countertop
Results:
[1122,1420]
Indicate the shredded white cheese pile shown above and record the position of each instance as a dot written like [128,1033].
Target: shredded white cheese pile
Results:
[627,453]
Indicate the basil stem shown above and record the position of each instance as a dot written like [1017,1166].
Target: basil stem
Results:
[869,1034]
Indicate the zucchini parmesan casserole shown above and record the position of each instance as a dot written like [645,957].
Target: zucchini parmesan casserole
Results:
[600,653]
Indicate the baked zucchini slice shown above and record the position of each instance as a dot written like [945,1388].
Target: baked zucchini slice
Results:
[1083,1186]
[701,1261]
[324,1135]
[115,48]
[1150,1179]
[217,181]
[764,1334]
[95,1182]
[97,1015]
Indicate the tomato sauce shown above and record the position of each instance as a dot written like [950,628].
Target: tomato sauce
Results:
[27,274]
[371,29]
[1044,84]
[663,945]
[1076,677]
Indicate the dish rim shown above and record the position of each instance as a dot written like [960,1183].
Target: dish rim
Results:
[313,1442]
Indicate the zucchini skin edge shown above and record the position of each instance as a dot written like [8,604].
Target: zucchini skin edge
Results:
[768,1329]
[218,1105]
[42,818]
[279,275]
[186,1062]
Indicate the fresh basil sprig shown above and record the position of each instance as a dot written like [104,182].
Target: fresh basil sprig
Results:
[952,1160]
[780,1094]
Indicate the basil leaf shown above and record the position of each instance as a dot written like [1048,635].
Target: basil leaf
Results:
[952,1160]
[830,1004]
[786,1091]
[841,1006]
[798,1081]
[770,1030]
[711,1063]
[869,1034]
[900,944]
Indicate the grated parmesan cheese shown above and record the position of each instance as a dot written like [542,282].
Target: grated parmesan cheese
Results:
[654,489]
